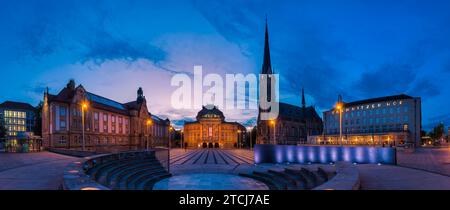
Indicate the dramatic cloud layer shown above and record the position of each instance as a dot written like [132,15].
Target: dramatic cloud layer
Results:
[356,48]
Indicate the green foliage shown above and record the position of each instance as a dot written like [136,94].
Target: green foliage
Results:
[2,130]
[38,119]
[437,132]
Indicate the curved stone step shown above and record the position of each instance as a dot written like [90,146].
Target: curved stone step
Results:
[92,172]
[139,182]
[119,172]
[105,171]
[299,181]
[105,177]
[122,182]
[310,181]
[148,185]
[286,185]
[268,182]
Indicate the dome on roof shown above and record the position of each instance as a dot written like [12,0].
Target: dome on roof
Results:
[210,111]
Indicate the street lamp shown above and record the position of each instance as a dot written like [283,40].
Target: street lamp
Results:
[273,123]
[148,123]
[182,140]
[340,108]
[168,149]
[84,106]
[238,140]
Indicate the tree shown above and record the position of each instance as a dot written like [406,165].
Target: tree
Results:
[38,119]
[2,131]
[437,132]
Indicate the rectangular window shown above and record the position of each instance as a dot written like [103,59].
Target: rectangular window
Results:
[62,111]
[63,125]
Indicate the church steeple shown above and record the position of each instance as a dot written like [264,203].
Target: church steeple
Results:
[267,66]
[303,99]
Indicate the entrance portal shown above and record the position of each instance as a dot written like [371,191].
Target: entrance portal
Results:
[216,145]
[210,145]
[204,145]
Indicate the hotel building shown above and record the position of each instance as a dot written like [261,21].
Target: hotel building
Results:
[391,120]
[212,131]
[108,125]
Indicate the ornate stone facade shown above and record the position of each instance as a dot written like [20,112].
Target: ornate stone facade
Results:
[211,130]
[108,125]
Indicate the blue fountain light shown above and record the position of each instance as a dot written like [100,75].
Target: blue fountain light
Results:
[265,153]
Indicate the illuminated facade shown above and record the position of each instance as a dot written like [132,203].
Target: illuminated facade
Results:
[392,120]
[17,117]
[211,131]
[108,125]
[294,123]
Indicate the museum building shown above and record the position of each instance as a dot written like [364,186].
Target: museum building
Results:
[108,125]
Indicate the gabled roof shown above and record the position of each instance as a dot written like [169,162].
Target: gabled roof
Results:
[17,105]
[105,101]
[297,113]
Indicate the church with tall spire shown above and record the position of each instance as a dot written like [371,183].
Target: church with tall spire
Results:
[294,123]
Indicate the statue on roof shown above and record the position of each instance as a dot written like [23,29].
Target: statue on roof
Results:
[140,95]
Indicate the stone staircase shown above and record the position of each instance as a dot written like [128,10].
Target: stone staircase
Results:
[290,179]
[132,172]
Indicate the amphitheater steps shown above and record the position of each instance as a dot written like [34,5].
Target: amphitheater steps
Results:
[290,179]
[133,182]
[107,177]
[300,182]
[126,172]
[148,185]
[270,183]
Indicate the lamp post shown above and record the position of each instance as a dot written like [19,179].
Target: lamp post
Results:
[272,122]
[340,108]
[149,123]
[238,140]
[251,133]
[168,153]
[182,140]
[83,108]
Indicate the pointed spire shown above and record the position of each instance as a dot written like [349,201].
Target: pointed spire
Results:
[303,99]
[267,66]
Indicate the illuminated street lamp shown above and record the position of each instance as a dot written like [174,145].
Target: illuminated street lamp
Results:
[148,123]
[168,151]
[84,107]
[182,140]
[238,140]
[273,123]
[340,109]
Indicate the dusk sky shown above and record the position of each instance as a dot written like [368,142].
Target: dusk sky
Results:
[359,49]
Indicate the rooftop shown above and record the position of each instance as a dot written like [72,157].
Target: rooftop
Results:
[16,105]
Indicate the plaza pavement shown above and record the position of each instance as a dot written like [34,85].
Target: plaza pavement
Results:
[44,170]
[435,160]
[373,177]
[32,171]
